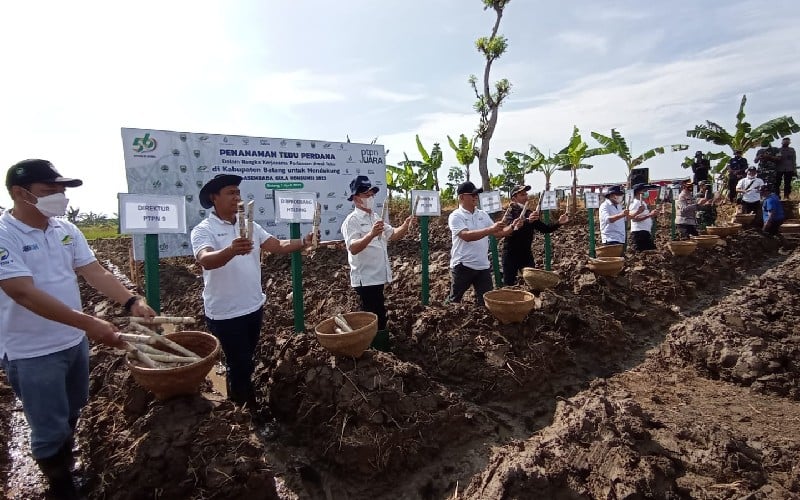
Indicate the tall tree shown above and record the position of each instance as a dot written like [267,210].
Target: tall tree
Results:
[571,159]
[465,152]
[744,137]
[489,102]
[513,172]
[617,145]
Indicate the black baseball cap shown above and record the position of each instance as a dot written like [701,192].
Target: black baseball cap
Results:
[468,188]
[519,189]
[361,184]
[27,172]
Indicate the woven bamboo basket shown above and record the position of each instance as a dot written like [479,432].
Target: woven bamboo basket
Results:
[165,383]
[539,279]
[606,266]
[365,326]
[509,305]
[791,228]
[706,240]
[609,251]
[723,231]
[682,247]
[746,219]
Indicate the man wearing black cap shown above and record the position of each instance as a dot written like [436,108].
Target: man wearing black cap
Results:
[612,215]
[43,331]
[520,225]
[737,169]
[767,158]
[787,169]
[365,235]
[701,167]
[232,295]
[469,254]
[641,219]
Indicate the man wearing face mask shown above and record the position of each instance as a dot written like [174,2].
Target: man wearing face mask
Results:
[612,217]
[748,189]
[365,235]
[44,334]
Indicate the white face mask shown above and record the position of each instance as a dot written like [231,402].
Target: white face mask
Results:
[52,205]
[616,199]
[368,203]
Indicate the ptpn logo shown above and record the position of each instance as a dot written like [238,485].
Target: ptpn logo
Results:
[144,144]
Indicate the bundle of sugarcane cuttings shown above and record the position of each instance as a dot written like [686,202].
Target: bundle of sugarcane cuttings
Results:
[151,349]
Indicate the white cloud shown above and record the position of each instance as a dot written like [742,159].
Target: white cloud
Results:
[390,96]
[580,41]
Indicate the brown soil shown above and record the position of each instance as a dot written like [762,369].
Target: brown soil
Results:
[677,379]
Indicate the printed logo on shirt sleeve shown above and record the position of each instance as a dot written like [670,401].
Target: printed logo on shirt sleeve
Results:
[5,257]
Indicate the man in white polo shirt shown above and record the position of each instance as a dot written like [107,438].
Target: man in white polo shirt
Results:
[641,219]
[469,254]
[43,331]
[612,217]
[232,293]
[365,235]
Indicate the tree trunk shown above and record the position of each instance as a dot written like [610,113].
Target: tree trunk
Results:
[573,202]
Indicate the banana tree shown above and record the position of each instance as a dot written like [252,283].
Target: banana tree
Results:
[571,158]
[429,166]
[401,178]
[513,171]
[465,152]
[535,161]
[744,137]
[615,144]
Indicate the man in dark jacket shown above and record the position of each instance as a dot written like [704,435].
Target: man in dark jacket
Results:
[700,167]
[521,224]
[737,169]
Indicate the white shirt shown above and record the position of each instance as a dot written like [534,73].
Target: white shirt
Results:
[50,258]
[371,265]
[753,193]
[473,254]
[234,289]
[645,225]
[611,231]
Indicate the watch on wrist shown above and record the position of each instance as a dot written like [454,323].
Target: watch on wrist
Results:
[129,303]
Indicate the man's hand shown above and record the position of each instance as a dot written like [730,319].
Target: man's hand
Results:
[497,227]
[534,216]
[564,219]
[104,332]
[377,228]
[142,310]
[241,246]
[518,223]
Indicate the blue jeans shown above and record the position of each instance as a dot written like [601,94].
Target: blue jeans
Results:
[53,390]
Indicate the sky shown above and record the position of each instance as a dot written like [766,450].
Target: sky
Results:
[76,72]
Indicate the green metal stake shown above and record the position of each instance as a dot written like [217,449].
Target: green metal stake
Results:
[592,241]
[672,218]
[151,279]
[297,282]
[423,229]
[548,245]
[498,277]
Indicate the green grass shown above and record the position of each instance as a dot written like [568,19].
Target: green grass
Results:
[95,232]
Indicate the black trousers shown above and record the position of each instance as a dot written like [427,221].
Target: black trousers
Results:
[462,277]
[786,177]
[687,230]
[513,264]
[372,300]
[238,338]
[642,240]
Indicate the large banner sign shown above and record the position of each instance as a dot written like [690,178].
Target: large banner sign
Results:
[180,163]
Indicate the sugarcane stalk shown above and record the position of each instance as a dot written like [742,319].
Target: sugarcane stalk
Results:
[156,340]
[152,350]
[315,226]
[416,203]
[142,329]
[342,323]
[338,330]
[251,208]
[175,320]
[171,358]
[241,219]
[140,356]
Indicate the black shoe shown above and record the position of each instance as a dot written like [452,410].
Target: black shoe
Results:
[56,470]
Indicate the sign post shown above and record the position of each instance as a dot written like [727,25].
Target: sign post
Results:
[490,203]
[549,202]
[425,204]
[295,207]
[592,203]
[675,193]
[150,215]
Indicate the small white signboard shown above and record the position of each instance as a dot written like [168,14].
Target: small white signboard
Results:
[151,214]
[676,191]
[664,193]
[628,195]
[490,202]
[592,200]
[425,203]
[294,206]
[549,200]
